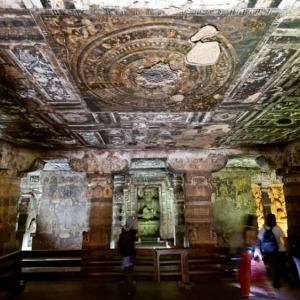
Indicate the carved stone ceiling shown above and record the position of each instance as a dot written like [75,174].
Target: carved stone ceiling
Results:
[149,74]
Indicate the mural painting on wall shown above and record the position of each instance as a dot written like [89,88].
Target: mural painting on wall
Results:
[231,200]
[62,213]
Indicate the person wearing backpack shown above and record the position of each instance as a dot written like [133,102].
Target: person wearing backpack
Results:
[271,237]
[127,250]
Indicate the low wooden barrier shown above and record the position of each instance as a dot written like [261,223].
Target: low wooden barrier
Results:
[82,263]
[152,264]
[10,269]
[192,262]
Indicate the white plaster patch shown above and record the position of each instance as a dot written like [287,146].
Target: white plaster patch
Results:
[57,4]
[216,128]
[204,32]
[206,53]
[217,96]
[252,98]
[177,98]
[263,3]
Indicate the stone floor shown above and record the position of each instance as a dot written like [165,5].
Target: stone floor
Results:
[104,288]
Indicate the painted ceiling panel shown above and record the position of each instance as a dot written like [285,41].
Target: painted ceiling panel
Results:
[139,63]
[190,76]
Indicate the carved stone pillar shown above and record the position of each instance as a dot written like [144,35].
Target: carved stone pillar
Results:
[9,195]
[266,199]
[198,208]
[278,206]
[259,204]
[264,179]
[179,210]
[292,195]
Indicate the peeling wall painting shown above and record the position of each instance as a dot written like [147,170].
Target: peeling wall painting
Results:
[232,198]
[62,213]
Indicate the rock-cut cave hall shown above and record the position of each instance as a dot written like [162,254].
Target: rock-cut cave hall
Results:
[184,114]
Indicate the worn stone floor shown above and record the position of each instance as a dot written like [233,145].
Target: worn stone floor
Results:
[212,288]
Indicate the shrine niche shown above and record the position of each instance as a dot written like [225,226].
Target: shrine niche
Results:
[153,194]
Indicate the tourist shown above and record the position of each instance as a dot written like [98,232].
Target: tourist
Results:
[250,241]
[275,259]
[126,246]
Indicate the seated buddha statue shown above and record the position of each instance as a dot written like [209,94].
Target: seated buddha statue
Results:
[148,206]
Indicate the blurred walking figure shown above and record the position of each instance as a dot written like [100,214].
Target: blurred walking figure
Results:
[127,251]
[259,274]
[250,241]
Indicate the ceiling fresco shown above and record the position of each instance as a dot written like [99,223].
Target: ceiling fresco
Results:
[179,76]
[140,63]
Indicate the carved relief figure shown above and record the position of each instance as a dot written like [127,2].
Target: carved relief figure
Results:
[278,208]
[148,205]
[257,193]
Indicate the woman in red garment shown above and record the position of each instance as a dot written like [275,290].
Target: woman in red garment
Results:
[250,241]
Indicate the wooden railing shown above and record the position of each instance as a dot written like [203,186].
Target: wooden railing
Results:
[10,269]
[153,264]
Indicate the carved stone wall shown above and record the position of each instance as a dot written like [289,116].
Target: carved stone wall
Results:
[207,207]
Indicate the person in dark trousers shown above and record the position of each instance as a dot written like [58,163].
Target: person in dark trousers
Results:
[276,259]
[127,250]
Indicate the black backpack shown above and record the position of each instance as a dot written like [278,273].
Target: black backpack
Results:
[269,241]
[125,244]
